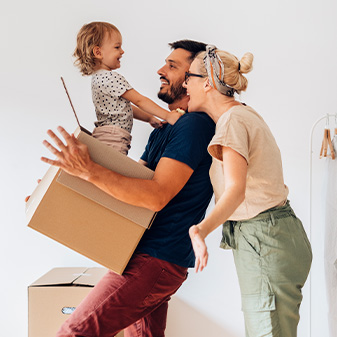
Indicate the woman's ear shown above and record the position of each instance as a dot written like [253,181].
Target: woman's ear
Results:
[97,52]
[207,85]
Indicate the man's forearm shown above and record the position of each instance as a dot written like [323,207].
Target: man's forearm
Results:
[153,194]
[138,192]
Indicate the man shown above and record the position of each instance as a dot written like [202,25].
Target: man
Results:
[180,191]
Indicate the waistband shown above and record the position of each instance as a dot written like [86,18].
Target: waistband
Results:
[228,237]
[111,128]
[277,212]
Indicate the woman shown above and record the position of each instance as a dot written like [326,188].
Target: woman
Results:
[271,251]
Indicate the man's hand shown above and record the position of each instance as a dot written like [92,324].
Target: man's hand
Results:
[28,196]
[199,247]
[73,157]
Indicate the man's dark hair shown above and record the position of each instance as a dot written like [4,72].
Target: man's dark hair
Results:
[194,47]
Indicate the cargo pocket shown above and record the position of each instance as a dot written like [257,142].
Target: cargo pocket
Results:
[258,303]
[261,318]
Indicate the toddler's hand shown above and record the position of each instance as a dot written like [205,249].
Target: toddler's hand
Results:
[155,122]
[174,115]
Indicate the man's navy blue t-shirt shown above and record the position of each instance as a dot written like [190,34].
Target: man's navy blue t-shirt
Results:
[185,141]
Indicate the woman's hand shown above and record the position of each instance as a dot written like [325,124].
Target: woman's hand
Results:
[73,157]
[199,247]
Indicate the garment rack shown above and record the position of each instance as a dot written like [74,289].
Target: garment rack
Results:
[327,118]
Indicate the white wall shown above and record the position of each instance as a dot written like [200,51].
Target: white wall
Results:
[292,84]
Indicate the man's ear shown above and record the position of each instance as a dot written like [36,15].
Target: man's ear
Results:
[97,52]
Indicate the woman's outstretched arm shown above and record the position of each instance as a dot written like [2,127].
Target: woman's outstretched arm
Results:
[235,172]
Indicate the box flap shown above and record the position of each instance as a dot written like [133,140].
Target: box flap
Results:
[59,276]
[71,276]
[91,276]
[40,190]
[114,160]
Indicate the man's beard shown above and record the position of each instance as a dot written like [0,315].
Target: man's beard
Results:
[175,92]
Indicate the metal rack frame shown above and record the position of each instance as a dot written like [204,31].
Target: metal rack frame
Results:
[327,118]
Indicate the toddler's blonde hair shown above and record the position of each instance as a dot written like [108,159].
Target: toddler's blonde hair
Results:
[90,36]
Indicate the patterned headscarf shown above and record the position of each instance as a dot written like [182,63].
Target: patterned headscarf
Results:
[215,71]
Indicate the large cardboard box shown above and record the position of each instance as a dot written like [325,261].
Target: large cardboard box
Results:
[55,295]
[84,218]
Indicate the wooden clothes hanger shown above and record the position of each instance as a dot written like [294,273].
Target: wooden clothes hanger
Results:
[327,144]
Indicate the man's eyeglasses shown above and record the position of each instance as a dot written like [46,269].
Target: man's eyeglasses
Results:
[188,75]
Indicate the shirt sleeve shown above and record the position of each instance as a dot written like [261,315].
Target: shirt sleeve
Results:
[189,139]
[230,132]
[116,84]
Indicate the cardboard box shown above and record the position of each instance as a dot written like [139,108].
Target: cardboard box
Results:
[84,218]
[54,296]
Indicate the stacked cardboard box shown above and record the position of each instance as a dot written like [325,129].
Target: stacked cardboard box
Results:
[55,295]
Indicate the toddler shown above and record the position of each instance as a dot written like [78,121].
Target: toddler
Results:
[98,53]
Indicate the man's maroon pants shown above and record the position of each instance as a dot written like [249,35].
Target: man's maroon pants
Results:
[136,301]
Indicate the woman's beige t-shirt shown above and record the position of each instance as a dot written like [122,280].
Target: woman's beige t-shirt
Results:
[244,130]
